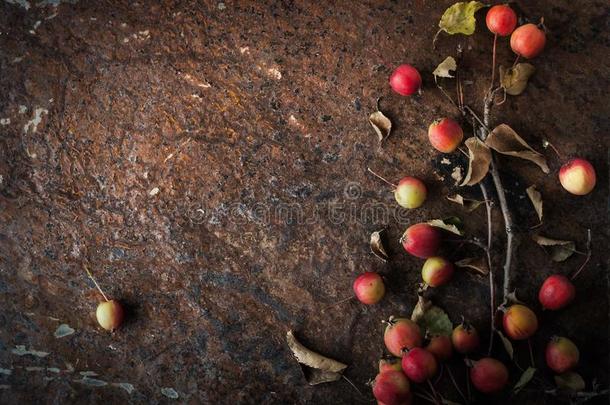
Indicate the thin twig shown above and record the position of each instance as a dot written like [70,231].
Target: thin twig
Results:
[493,62]
[457,387]
[95,282]
[492,286]
[338,302]
[587,258]
[381,178]
[529,345]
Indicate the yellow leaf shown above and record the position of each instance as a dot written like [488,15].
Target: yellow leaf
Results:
[459,18]
[515,79]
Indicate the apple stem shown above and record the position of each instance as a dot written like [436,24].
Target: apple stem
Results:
[338,302]
[455,384]
[435,394]
[352,384]
[382,178]
[493,62]
[424,395]
[581,268]
[516,61]
[95,282]
[529,344]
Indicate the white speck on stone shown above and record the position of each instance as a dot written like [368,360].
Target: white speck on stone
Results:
[221,6]
[23,3]
[63,330]
[93,19]
[53,370]
[32,125]
[5,121]
[170,393]
[22,109]
[276,74]
[197,97]
[88,373]
[17,59]
[153,192]
[123,25]
[126,386]
[6,371]
[144,33]
[32,32]
[20,350]
[244,49]
[445,161]
[125,40]
[457,174]
[197,82]
[36,25]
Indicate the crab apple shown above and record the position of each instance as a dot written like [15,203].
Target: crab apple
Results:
[405,80]
[489,375]
[109,314]
[501,20]
[369,288]
[391,388]
[436,271]
[561,354]
[577,176]
[556,292]
[419,365]
[440,346]
[520,322]
[421,240]
[528,41]
[390,363]
[410,192]
[445,135]
[465,338]
[401,333]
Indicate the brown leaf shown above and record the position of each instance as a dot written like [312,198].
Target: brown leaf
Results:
[478,264]
[420,308]
[377,246]
[446,66]
[503,139]
[515,79]
[536,199]
[317,369]
[479,160]
[570,381]
[451,224]
[469,204]
[559,250]
[381,124]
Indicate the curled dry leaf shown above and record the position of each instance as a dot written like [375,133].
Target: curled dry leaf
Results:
[515,79]
[477,264]
[536,199]
[467,203]
[508,346]
[503,139]
[559,250]
[430,318]
[316,368]
[446,66]
[381,124]
[459,18]
[525,378]
[570,381]
[451,224]
[377,246]
[479,159]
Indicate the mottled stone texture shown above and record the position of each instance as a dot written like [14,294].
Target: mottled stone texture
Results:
[207,161]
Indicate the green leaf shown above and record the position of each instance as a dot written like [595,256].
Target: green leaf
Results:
[435,321]
[508,346]
[525,378]
[459,18]
[451,224]
[559,250]
[570,381]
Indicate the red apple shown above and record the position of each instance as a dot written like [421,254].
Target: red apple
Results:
[501,20]
[556,292]
[436,271]
[520,322]
[405,80]
[445,135]
[489,375]
[369,288]
[391,388]
[109,314]
[465,338]
[441,347]
[401,333]
[390,363]
[421,240]
[577,176]
[561,354]
[528,41]
[419,365]
[410,192]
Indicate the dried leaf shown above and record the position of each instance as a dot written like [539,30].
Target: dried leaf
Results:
[536,199]
[430,318]
[503,139]
[515,79]
[508,346]
[459,18]
[570,381]
[467,203]
[381,124]
[317,369]
[525,378]
[478,264]
[451,224]
[559,250]
[420,308]
[377,246]
[443,69]
[479,160]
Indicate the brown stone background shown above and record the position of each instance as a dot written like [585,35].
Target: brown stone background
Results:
[264,106]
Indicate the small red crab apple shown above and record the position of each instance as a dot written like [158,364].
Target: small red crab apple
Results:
[410,192]
[528,41]
[489,375]
[577,176]
[556,292]
[405,80]
[436,271]
[392,388]
[419,365]
[401,333]
[465,338]
[109,314]
[520,322]
[445,135]
[421,240]
[441,347]
[561,354]
[369,288]
[501,20]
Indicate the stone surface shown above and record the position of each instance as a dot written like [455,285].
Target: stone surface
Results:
[207,162]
